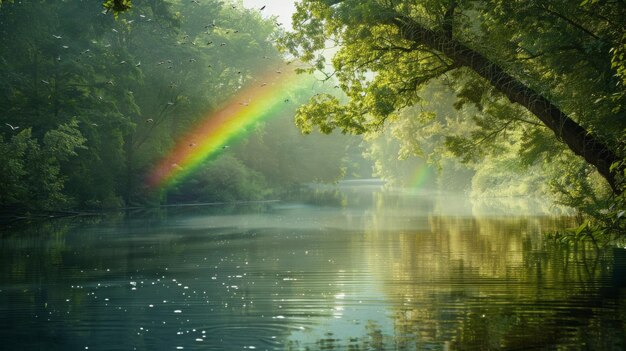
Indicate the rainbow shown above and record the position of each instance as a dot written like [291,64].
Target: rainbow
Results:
[210,136]
[420,176]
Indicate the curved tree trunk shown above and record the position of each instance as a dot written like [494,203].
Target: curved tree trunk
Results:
[577,138]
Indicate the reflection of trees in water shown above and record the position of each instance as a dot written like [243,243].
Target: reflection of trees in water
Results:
[489,284]
[486,284]
[372,340]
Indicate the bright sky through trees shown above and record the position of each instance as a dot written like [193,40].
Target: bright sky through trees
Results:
[281,8]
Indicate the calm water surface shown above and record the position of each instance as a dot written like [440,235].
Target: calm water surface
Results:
[369,271]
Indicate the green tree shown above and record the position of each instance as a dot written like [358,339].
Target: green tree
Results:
[551,58]
[31,171]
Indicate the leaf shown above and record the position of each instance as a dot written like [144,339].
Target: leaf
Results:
[581,228]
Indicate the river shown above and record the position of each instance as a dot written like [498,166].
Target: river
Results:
[356,268]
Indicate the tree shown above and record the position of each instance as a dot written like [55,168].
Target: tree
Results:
[31,171]
[122,89]
[552,58]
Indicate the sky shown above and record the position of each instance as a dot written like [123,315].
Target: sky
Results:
[281,8]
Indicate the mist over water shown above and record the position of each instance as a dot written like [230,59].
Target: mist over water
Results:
[357,267]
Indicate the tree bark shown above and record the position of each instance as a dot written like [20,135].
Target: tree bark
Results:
[577,138]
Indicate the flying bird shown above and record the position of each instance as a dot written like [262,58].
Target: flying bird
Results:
[262,8]
[57,36]
[12,127]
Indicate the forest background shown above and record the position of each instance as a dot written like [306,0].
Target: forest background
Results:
[93,97]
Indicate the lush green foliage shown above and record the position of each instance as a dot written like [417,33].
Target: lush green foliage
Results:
[561,54]
[91,101]
[31,172]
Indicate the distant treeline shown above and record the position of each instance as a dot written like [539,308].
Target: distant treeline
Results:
[90,102]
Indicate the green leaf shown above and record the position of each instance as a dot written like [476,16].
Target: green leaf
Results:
[581,228]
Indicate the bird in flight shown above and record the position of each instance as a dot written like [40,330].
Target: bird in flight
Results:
[12,127]
[262,8]
[57,36]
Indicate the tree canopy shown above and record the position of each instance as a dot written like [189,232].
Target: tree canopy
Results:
[90,101]
[556,60]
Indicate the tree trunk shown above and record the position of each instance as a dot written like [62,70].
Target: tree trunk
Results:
[577,138]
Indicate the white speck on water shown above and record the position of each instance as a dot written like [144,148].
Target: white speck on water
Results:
[151,305]
[178,311]
[199,339]
[279,317]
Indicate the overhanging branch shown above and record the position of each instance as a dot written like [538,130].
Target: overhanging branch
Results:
[577,138]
